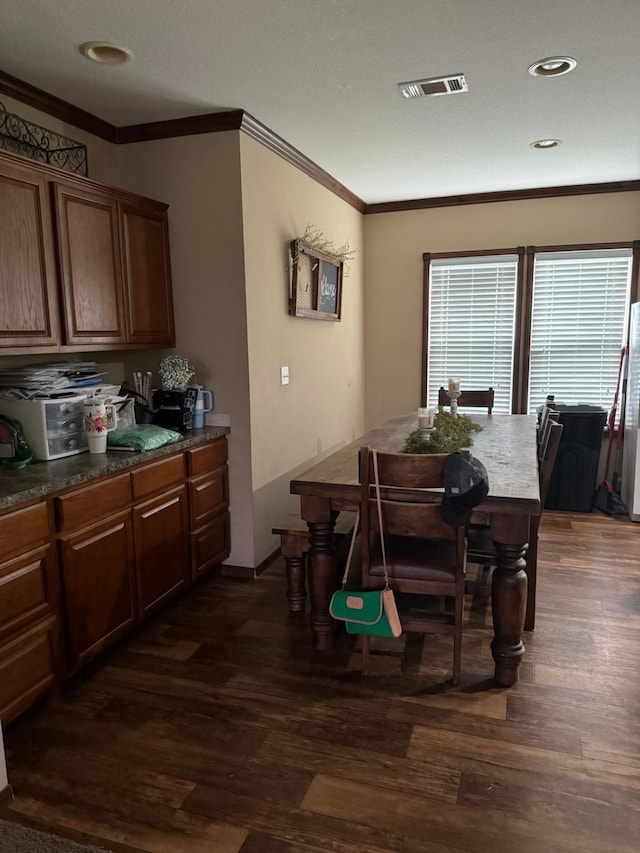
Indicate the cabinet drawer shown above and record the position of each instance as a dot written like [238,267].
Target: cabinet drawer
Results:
[208,495]
[23,529]
[25,596]
[208,457]
[157,476]
[27,669]
[210,545]
[76,509]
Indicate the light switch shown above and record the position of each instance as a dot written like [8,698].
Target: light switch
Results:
[284,375]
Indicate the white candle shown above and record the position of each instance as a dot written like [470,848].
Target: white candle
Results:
[454,384]
[425,418]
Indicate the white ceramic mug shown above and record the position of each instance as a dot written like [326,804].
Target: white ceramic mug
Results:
[99,419]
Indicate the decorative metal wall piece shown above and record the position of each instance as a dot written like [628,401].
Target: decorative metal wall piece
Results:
[24,137]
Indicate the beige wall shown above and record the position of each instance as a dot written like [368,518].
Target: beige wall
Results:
[395,243]
[199,178]
[322,408]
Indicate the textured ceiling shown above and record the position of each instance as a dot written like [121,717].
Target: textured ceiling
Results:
[322,74]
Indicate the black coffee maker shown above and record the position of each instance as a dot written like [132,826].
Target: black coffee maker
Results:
[174,409]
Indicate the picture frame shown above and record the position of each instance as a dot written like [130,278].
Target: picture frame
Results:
[316,283]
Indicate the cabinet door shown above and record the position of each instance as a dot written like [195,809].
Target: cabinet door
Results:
[160,531]
[99,588]
[27,668]
[210,545]
[28,287]
[90,266]
[147,268]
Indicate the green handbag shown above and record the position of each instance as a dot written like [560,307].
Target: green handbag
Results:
[362,612]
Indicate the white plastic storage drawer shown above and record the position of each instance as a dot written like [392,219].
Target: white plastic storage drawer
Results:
[53,428]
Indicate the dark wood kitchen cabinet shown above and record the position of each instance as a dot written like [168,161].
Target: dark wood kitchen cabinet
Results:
[147,273]
[208,506]
[85,267]
[28,297]
[97,566]
[160,529]
[30,660]
[90,266]
[82,567]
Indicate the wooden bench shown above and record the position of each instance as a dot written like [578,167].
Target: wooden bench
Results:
[294,544]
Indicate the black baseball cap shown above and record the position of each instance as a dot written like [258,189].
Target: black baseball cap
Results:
[466,484]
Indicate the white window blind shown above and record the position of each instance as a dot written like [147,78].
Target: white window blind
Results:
[578,325]
[472,306]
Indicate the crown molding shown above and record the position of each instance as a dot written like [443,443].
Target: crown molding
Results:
[46,103]
[188,126]
[258,131]
[507,195]
[240,120]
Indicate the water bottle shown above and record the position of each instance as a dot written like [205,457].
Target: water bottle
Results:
[202,407]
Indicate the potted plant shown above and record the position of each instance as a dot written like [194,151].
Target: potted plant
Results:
[175,372]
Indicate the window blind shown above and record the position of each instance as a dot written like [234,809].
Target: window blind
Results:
[471,325]
[578,325]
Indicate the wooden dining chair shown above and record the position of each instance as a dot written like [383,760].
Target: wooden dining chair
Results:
[469,399]
[549,416]
[481,549]
[424,555]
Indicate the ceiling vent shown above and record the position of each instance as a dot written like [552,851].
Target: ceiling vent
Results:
[449,85]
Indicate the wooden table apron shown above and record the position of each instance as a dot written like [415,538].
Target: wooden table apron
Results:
[507,447]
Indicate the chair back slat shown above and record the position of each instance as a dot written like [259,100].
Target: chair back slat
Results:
[469,399]
[544,432]
[402,476]
[409,519]
[549,459]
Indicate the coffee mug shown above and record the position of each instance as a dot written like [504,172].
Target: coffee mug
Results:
[99,419]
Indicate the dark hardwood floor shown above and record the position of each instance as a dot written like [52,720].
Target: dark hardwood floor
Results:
[216,727]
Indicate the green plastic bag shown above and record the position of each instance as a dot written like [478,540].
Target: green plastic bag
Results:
[142,437]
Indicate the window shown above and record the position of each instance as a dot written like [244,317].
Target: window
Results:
[529,322]
[578,325]
[471,324]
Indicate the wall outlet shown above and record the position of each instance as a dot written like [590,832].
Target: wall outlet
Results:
[284,375]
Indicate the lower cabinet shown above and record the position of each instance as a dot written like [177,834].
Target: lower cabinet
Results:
[99,586]
[160,533]
[30,659]
[80,570]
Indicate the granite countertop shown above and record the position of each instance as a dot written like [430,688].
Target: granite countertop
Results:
[41,478]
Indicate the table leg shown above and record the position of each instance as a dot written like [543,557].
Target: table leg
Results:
[508,596]
[321,568]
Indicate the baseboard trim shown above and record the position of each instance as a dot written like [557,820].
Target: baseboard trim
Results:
[245,573]
[6,795]
[264,565]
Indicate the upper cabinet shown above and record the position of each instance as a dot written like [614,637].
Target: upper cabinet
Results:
[28,299]
[111,286]
[147,273]
[90,267]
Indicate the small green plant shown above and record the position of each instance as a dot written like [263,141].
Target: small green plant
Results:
[450,434]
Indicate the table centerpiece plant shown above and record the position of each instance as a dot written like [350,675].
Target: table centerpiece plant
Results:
[451,432]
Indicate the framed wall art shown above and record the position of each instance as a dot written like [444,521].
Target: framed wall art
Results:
[316,283]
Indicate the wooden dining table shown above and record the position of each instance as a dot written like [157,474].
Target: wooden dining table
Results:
[506,445]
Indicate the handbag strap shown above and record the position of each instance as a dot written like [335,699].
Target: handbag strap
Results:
[376,479]
[351,546]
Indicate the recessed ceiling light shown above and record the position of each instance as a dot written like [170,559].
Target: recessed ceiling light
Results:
[552,66]
[546,143]
[105,53]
